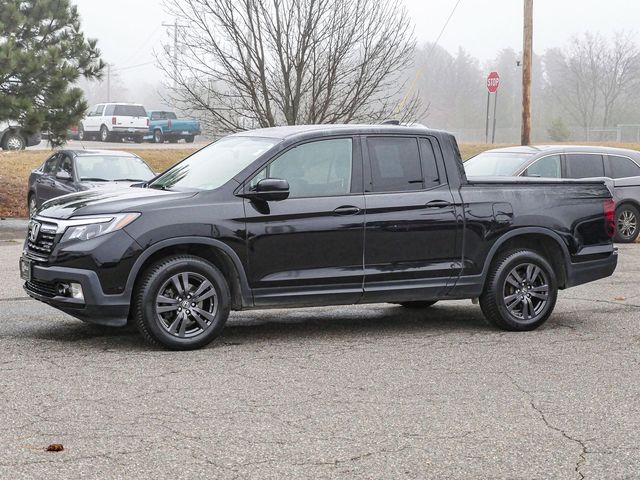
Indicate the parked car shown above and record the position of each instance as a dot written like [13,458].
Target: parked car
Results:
[166,126]
[14,137]
[317,215]
[68,171]
[115,121]
[573,161]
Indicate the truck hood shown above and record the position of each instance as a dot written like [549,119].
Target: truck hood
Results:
[106,200]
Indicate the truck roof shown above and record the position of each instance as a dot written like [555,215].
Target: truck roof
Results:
[290,131]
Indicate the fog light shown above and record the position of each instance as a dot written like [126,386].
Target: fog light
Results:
[63,289]
[75,289]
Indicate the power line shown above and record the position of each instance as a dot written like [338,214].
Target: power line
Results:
[420,71]
[132,66]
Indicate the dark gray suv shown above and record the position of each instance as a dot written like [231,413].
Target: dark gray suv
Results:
[70,171]
[572,161]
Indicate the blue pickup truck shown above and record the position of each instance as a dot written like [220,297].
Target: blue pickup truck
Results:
[166,126]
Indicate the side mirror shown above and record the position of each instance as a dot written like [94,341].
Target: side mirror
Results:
[63,175]
[269,190]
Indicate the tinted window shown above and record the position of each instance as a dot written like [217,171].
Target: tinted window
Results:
[395,164]
[99,110]
[502,164]
[130,111]
[215,164]
[314,169]
[429,164]
[549,167]
[51,166]
[622,167]
[109,110]
[583,166]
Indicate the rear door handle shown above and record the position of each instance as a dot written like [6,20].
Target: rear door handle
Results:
[438,204]
[347,210]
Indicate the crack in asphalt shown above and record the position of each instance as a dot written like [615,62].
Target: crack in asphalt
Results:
[549,425]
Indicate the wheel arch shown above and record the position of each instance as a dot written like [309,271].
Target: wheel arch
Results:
[541,240]
[214,251]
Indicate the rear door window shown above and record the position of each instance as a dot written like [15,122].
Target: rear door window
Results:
[429,164]
[109,110]
[130,111]
[622,167]
[99,110]
[548,167]
[395,164]
[581,165]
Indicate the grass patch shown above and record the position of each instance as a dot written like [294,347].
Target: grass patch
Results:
[15,168]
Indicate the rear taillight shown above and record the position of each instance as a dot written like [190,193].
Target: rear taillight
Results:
[113,120]
[147,121]
[610,217]
[169,124]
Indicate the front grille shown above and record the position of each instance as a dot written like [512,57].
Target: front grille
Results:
[45,289]
[44,241]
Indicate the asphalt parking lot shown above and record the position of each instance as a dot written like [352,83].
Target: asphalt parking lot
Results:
[371,392]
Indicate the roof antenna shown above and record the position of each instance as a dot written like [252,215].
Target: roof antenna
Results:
[391,122]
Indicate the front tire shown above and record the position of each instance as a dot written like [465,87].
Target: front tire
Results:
[521,291]
[181,303]
[158,137]
[627,227]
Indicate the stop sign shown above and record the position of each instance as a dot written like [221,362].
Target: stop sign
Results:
[493,82]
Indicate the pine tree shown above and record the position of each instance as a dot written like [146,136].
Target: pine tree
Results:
[42,53]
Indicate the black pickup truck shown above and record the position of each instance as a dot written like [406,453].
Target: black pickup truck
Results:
[316,215]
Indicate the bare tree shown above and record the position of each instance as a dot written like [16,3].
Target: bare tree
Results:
[261,63]
[591,76]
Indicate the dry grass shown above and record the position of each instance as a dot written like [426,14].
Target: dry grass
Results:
[15,168]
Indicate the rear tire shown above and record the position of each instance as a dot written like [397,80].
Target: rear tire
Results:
[627,224]
[181,315]
[189,139]
[13,141]
[105,136]
[81,134]
[418,304]
[521,291]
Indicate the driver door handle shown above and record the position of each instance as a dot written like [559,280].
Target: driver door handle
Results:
[438,204]
[347,210]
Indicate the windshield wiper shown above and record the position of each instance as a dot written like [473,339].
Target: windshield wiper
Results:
[94,179]
[129,180]
[156,186]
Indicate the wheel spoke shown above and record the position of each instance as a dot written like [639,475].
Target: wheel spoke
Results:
[168,308]
[511,306]
[541,296]
[204,313]
[163,299]
[517,276]
[185,283]
[511,278]
[532,273]
[183,326]
[201,321]
[206,295]
[525,309]
[203,286]
[530,309]
[174,325]
[176,284]
[509,298]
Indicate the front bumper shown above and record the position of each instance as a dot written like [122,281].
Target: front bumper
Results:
[591,270]
[97,308]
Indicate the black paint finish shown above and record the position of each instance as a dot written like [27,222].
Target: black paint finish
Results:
[429,243]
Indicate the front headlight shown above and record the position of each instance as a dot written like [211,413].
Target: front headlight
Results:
[86,228]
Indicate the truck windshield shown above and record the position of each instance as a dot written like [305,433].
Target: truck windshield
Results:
[502,164]
[214,165]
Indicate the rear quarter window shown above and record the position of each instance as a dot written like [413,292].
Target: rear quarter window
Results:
[622,167]
[130,111]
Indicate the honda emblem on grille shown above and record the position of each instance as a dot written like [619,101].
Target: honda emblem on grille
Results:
[33,231]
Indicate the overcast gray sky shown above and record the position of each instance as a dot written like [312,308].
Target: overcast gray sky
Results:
[128,30]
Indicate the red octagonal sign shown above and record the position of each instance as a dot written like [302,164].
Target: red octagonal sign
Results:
[493,82]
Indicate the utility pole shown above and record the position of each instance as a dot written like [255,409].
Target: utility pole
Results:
[175,49]
[108,82]
[527,54]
